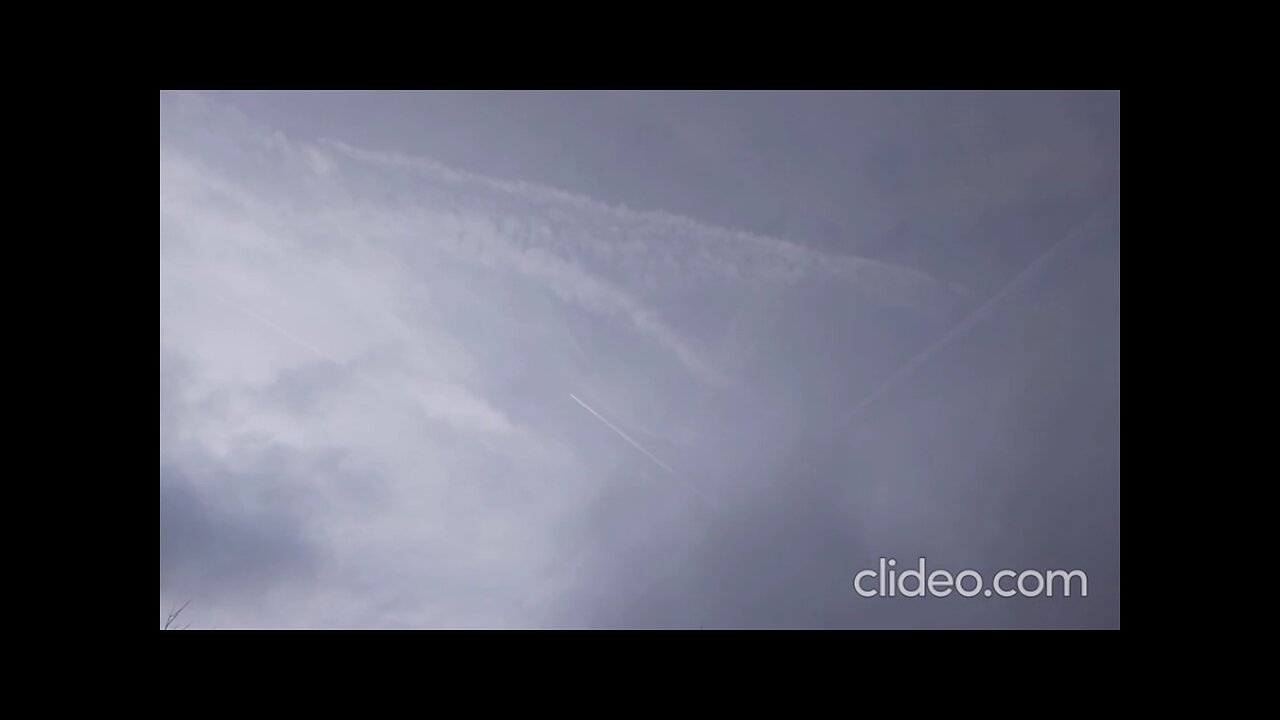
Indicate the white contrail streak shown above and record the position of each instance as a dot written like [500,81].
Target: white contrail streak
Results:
[279,329]
[625,436]
[975,317]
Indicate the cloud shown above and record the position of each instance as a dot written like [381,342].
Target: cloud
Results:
[367,359]
[427,325]
[213,547]
[659,252]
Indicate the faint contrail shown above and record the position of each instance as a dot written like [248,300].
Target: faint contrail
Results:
[278,329]
[365,380]
[975,317]
[625,436]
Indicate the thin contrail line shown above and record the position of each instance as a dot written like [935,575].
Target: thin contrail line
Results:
[366,381]
[705,502]
[279,329]
[625,436]
[975,317]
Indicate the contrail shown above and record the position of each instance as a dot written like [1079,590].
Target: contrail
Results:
[278,329]
[368,382]
[625,436]
[975,317]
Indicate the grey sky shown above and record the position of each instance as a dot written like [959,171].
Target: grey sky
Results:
[375,308]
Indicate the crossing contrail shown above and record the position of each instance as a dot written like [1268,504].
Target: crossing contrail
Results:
[625,436]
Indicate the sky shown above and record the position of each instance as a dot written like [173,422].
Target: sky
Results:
[635,359]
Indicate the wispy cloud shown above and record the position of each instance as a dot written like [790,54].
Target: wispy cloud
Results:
[395,343]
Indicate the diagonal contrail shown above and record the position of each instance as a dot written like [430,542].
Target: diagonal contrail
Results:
[278,329]
[977,315]
[363,379]
[625,436]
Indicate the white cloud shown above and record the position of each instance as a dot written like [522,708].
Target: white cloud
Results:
[427,325]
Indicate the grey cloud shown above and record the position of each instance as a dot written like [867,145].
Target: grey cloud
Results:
[374,308]
[979,463]
[212,548]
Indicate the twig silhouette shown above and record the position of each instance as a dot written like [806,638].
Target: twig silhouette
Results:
[169,624]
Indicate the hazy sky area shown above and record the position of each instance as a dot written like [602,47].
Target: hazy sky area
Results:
[636,359]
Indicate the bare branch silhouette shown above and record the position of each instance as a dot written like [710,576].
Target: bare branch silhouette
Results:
[173,618]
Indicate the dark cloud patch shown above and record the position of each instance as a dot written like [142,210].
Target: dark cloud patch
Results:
[213,546]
